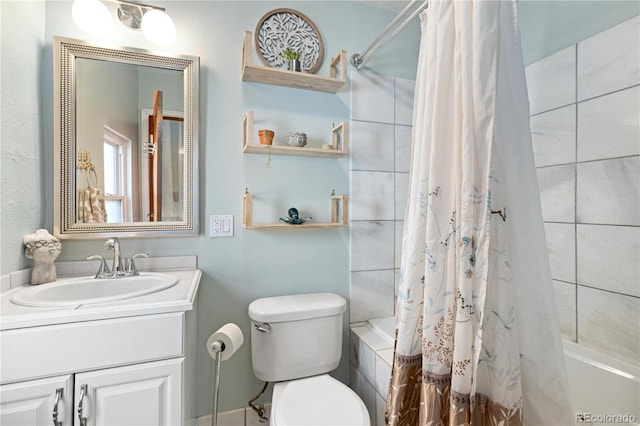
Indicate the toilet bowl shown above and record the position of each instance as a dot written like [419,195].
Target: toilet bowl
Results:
[295,341]
[317,400]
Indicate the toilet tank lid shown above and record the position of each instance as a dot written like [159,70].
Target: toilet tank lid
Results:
[296,307]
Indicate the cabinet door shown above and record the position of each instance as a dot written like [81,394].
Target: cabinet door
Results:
[32,403]
[142,394]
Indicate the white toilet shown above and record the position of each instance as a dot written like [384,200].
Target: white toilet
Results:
[295,341]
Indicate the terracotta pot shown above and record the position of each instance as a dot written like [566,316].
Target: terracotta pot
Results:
[266,136]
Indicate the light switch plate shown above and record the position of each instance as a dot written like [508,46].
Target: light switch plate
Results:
[221,225]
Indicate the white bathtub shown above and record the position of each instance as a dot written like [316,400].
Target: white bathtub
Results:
[603,390]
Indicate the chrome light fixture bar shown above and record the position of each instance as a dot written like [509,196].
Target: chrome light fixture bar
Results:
[130,14]
[94,17]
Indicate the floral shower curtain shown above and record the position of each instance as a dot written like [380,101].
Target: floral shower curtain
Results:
[477,340]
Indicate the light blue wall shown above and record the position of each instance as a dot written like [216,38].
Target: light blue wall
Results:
[252,264]
[22,172]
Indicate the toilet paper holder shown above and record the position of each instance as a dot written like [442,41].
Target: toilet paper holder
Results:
[221,346]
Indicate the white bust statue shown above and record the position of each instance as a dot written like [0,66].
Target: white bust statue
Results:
[43,248]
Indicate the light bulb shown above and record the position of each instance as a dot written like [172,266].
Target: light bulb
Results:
[158,27]
[92,16]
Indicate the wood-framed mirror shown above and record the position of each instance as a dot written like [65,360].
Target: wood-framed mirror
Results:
[125,141]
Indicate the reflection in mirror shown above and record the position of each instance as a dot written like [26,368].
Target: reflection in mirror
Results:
[126,129]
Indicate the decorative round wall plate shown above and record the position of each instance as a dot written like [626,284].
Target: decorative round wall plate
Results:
[282,28]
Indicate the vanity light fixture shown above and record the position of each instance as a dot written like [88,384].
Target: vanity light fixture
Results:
[94,17]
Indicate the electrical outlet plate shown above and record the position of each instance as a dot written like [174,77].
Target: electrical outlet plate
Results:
[221,225]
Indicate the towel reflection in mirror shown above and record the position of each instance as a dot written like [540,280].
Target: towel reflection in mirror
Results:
[91,203]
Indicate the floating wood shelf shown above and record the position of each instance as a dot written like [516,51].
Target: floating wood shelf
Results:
[338,143]
[339,216]
[286,78]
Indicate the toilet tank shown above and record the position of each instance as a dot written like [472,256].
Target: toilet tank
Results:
[296,336]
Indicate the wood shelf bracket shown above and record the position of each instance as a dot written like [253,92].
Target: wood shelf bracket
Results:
[339,215]
[336,79]
[338,146]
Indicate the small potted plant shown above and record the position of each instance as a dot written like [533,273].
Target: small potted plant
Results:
[293,59]
[266,136]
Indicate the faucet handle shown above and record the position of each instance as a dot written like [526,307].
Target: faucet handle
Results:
[103,270]
[131,265]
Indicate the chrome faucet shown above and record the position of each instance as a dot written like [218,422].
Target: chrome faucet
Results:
[117,269]
[120,267]
[103,270]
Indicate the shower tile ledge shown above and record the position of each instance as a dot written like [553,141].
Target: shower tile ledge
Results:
[379,343]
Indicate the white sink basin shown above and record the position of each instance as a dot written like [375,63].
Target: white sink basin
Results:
[87,290]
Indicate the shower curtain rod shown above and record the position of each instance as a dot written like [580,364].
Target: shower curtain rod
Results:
[359,60]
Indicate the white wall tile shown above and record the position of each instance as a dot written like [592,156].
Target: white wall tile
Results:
[365,391]
[383,371]
[354,346]
[363,358]
[371,337]
[372,245]
[553,135]
[399,225]
[405,90]
[609,60]
[609,258]
[372,97]
[602,134]
[557,192]
[561,246]
[381,406]
[372,146]
[552,81]
[565,297]
[608,323]
[372,196]
[371,297]
[401,194]
[397,275]
[609,126]
[403,148]
[609,192]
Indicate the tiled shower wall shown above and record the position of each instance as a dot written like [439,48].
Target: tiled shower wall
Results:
[381,116]
[585,113]
[586,140]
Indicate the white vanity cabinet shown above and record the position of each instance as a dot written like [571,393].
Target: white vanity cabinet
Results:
[127,363]
[143,394]
[33,402]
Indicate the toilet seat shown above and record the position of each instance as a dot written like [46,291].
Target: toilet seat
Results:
[317,400]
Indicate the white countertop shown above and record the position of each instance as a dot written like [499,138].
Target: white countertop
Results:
[180,297]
